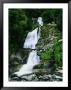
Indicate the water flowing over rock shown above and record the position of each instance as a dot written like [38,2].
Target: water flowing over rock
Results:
[30,42]
[32,39]
[33,58]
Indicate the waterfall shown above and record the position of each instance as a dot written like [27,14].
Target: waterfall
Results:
[31,39]
[30,42]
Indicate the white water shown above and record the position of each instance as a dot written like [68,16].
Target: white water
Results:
[40,21]
[32,39]
[30,42]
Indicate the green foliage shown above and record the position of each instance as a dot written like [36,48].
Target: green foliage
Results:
[53,43]
[20,23]
[55,15]
[54,53]
[45,31]
[58,53]
[47,54]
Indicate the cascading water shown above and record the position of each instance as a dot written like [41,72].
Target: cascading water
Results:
[32,39]
[30,42]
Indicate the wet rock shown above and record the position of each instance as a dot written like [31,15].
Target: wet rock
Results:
[29,77]
[57,78]
[39,75]
[44,78]
[36,79]
[14,77]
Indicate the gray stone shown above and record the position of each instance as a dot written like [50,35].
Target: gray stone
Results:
[29,77]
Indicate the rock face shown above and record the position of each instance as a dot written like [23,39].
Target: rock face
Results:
[38,76]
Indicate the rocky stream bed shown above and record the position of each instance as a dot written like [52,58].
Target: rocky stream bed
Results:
[39,75]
